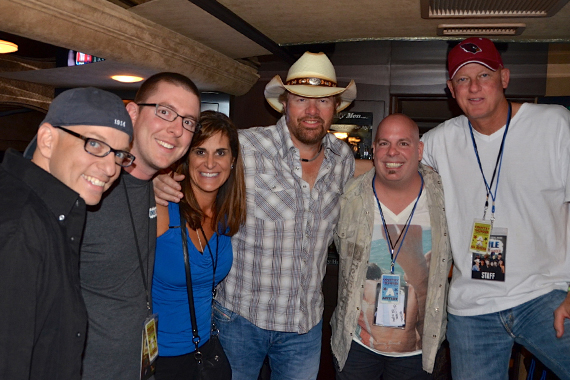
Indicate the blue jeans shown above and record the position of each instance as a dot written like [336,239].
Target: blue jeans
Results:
[292,356]
[481,345]
[363,364]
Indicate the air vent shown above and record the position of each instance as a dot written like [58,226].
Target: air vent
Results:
[490,8]
[451,30]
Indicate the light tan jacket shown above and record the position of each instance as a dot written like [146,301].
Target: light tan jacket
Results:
[352,238]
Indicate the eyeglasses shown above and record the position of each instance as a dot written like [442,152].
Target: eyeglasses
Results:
[99,148]
[168,114]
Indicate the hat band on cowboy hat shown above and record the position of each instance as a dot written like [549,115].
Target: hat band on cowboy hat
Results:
[312,76]
[312,81]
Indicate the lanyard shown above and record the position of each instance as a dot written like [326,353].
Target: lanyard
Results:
[214,263]
[144,280]
[403,233]
[498,164]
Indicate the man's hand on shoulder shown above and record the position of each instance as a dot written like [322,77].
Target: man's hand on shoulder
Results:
[560,314]
[167,189]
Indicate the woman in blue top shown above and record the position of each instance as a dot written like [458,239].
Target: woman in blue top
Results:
[214,201]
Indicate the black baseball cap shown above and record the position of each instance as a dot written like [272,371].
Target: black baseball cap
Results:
[86,106]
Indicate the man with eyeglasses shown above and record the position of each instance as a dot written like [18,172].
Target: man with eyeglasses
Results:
[117,253]
[505,169]
[80,148]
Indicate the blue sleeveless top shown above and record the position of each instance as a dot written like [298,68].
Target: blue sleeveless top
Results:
[169,291]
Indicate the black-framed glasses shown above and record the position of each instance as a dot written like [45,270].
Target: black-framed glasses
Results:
[168,114]
[99,148]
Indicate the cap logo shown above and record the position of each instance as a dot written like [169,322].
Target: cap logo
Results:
[471,48]
[120,123]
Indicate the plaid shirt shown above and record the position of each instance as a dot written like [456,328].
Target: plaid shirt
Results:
[280,253]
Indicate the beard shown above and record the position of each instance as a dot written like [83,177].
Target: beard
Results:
[308,136]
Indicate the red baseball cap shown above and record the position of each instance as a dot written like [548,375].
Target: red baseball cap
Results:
[474,50]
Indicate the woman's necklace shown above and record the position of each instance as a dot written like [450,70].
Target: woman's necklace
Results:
[314,158]
[199,241]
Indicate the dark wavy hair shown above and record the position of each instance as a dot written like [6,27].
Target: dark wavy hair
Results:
[230,207]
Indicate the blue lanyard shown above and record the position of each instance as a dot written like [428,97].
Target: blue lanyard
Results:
[404,231]
[498,164]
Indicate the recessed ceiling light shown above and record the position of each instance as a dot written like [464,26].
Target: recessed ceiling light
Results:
[126,78]
[7,47]
[340,135]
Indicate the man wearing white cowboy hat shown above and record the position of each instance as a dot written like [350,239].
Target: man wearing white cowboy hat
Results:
[312,76]
[271,303]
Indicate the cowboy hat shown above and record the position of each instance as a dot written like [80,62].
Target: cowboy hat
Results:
[312,76]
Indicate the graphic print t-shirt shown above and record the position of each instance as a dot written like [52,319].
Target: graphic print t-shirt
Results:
[412,265]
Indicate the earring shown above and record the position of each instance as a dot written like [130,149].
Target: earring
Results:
[232,166]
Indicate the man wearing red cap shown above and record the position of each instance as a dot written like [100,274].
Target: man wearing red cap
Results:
[506,174]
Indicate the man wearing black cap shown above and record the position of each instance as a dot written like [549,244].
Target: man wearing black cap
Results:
[81,145]
[506,175]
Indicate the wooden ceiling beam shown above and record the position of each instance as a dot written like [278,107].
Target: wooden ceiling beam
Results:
[106,30]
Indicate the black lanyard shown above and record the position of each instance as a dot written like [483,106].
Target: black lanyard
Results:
[145,283]
[195,334]
[214,262]
[498,164]
[403,233]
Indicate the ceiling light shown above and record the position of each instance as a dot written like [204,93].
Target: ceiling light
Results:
[340,135]
[347,128]
[126,78]
[7,47]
